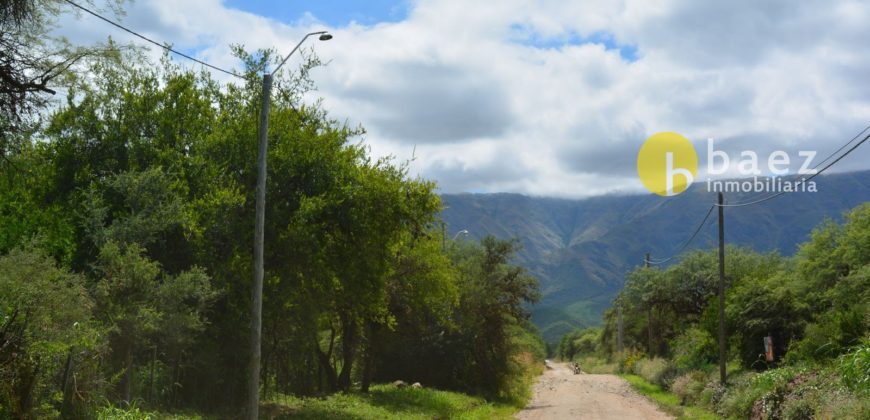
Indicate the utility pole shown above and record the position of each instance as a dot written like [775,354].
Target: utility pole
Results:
[648,314]
[620,331]
[721,290]
[259,228]
[257,307]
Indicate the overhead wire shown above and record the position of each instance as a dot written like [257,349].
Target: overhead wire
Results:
[685,244]
[815,174]
[805,180]
[143,37]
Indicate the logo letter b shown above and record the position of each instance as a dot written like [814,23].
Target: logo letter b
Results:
[667,163]
[671,172]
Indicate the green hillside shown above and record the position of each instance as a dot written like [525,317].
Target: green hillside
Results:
[581,249]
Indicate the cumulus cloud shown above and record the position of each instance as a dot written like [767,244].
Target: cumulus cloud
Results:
[438,103]
[538,97]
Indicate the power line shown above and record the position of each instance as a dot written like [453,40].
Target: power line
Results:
[164,46]
[817,173]
[804,180]
[689,241]
[844,146]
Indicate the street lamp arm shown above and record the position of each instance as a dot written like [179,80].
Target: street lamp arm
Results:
[294,50]
[461,232]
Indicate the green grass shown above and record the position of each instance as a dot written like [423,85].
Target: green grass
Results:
[667,401]
[111,412]
[388,402]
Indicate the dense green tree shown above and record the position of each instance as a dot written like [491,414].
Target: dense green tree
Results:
[586,342]
[831,277]
[422,298]
[493,298]
[143,307]
[151,173]
[44,312]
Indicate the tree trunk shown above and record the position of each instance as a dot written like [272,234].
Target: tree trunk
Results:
[369,361]
[151,398]
[349,338]
[325,359]
[67,395]
[331,376]
[27,374]
[127,381]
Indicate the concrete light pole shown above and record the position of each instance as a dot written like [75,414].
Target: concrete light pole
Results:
[257,306]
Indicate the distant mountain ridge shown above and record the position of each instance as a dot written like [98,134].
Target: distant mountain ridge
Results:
[581,249]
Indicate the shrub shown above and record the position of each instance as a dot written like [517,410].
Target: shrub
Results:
[116,413]
[712,393]
[838,404]
[740,395]
[655,370]
[854,368]
[832,335]
[688,387]
[693,349]
[626,361]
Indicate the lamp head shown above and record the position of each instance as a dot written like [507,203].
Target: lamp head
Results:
[325,37]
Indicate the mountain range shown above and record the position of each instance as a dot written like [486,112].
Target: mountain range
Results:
[581,249]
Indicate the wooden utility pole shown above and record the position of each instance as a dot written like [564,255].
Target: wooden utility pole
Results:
[722,343]
[620,331]
[648,314]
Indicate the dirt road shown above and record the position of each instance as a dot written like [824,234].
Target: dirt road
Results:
[560,394]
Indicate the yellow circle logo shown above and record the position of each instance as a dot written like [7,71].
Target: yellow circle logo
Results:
[667,163]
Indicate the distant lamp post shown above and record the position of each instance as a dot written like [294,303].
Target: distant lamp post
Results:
[257,307]
[462,232]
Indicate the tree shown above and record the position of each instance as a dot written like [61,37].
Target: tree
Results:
[832,278]
[143,306]
[492,300]
[32,63]
[44,312]
[423,295]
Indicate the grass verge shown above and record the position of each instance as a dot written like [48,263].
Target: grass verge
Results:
[667,401]
[388,402]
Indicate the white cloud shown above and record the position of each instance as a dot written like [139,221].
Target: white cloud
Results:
[483,112]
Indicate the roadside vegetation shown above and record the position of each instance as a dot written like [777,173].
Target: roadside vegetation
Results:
[815,306]
[126,237]
[381,402]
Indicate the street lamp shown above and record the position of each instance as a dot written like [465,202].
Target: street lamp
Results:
[462,232]
[257,307]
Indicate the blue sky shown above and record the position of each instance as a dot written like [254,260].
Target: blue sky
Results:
[335,13]
[341,13]
[529,37]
